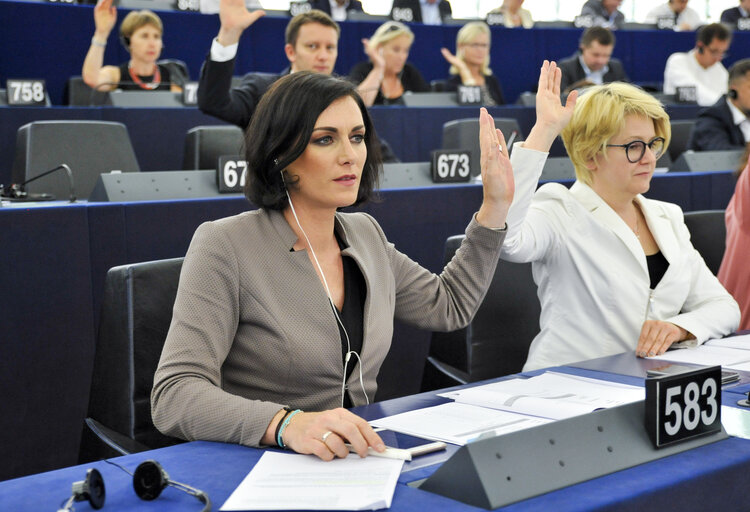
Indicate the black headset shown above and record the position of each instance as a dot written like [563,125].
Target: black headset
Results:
[149,480]
[125,40]
[732,93]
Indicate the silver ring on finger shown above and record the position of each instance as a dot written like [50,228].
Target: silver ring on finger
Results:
[500,148]
[325,436]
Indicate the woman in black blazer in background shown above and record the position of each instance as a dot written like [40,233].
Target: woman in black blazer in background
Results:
[471,64]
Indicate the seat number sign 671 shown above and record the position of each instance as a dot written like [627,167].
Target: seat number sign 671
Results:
[683,406]
[451,165]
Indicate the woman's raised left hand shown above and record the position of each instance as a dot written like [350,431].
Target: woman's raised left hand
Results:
[497,173]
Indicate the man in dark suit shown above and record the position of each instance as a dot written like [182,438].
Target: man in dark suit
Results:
[593,62]
[336,9]
[311,45]
[726,123]
[430,12]
[733,14]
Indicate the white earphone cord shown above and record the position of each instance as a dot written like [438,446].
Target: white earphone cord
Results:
[349,351]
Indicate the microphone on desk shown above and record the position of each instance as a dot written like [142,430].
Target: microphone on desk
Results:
[16,191]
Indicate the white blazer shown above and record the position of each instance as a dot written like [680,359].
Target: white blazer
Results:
[591,273]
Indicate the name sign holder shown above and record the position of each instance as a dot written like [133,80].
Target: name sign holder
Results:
[404,14]
[231,173]
[451,165]
[190,94]
[665,22]
[686,94]
[501,470]
[683,406]
[296,8]
[26,91]
[469,95]
[495,19]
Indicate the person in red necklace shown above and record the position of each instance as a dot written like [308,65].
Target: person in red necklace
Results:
[141,33]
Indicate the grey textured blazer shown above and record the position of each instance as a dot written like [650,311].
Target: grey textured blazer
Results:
[253,331]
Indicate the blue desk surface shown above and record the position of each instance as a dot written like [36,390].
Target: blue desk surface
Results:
[56,258]
[711,477]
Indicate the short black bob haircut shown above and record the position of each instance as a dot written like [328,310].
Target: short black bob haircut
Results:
[281,129]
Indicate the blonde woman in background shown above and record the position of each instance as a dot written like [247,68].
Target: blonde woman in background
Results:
[471,64]
[387,75]
[513,14]
[141,33]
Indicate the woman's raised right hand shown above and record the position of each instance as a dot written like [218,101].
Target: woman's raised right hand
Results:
[105,16]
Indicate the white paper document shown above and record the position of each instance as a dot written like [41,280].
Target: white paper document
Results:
[708,355]
[457,423]
[739,342]
[284,481]
[550,395]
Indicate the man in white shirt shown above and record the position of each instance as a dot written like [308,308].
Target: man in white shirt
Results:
[701,67]
[726,124]
[675,14]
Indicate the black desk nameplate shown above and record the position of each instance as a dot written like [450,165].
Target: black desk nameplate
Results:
[498,471]
[683,406]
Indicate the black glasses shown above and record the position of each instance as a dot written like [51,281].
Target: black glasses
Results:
[635,150]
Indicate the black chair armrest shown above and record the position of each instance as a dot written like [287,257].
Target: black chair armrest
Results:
[118,442]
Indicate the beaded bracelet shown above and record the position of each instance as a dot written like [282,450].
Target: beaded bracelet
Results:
[281,420]
[285,423]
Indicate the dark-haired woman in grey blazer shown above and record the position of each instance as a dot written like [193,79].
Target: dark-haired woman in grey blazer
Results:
[284,315]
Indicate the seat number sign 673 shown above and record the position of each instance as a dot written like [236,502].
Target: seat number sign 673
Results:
[683,406]
[451,165]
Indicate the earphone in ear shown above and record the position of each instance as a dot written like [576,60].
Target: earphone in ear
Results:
[732,93]
[149,480]
[91,489]
[701,49]
[125,42]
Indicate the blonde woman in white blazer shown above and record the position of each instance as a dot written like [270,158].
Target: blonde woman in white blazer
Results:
[616,272]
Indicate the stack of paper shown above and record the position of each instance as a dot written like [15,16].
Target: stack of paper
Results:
[510,405]
[283,481]
[722,352]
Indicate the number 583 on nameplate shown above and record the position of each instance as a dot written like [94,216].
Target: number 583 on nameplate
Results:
[683,406]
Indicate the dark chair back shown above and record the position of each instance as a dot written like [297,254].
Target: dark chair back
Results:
[464,134]
[78,94]
[135,318]
[205,144]
[89,148]
[681,131]
[708,232]
[497,340]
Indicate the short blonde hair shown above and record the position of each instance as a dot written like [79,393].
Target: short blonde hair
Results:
[600,115]
[137,19]
[467,33]
[388,31]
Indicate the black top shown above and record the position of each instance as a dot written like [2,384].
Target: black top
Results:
[491,81]
[411,80]
[412,8]
[715,130]
[352,314]
[127,83]
[325,5]
[236,105]
[573,72]
[731,15]
[657,266]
